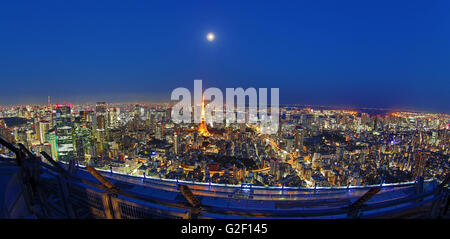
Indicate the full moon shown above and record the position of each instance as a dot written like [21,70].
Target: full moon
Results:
[210,37]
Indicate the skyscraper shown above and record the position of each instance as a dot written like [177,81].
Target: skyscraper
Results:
[52,139]
[177,145]
[44,126]
[64,132]
[113,117]
[298,141]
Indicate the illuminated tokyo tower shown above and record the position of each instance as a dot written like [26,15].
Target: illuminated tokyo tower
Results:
[202,130]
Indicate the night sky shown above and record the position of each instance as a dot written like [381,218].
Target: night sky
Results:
[393,54]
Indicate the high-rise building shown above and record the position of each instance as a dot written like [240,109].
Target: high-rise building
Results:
[81,136]
[298,141]
[113,117]
[64,132]
[79,146]
[101,114]
[159,131]
[176,140]
[44,126]
[84,116]
[100,108]
[52,139]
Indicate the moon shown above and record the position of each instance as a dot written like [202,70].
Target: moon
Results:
[210,37]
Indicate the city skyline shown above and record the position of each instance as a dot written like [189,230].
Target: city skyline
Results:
[310,146]
[93,100]
[225,110]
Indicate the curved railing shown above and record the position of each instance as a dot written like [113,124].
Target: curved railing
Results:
[255,187]
[67,191]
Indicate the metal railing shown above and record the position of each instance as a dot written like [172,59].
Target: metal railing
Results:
[52,191]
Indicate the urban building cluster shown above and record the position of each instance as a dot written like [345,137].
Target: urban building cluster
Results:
[313,147]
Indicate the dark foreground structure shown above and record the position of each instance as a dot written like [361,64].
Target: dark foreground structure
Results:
[32,187]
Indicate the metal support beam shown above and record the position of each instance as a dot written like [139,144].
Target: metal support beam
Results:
[355,207]
[100,177]
[17,152]
[193,201]
[107,198]
[54,163]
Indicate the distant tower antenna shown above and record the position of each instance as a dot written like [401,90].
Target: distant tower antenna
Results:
[48,100]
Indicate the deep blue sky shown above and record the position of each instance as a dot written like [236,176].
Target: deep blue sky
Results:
[357,53]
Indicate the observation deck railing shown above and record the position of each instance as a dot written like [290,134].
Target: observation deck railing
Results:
[54,190]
